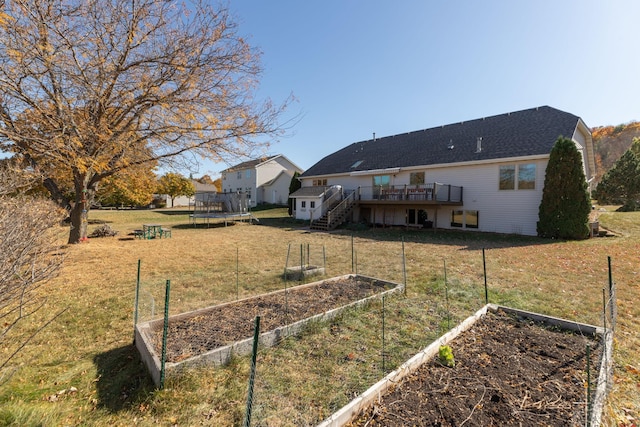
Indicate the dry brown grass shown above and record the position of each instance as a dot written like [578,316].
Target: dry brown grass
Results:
[89,348]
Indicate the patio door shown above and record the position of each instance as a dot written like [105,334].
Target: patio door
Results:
[381,184]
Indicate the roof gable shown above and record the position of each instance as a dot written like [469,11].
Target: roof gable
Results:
[522,133]
[255,163]
[249,164]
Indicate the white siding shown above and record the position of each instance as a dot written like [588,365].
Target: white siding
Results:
[231,182]
[259,176]
[581,145]
[278,191]
[305,213]
[500,211]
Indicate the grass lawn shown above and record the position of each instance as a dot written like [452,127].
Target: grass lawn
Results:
[83,369]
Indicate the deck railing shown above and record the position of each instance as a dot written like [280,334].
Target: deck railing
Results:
[424,192]
[332,199]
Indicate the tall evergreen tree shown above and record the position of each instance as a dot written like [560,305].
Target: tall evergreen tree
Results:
[621,184]
[293,186]
[564,210]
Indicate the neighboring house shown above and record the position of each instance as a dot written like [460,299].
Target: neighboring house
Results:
[265,180]
[189,201]
[485,174]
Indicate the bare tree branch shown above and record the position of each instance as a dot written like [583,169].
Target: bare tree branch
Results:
[30,256]
[90,88]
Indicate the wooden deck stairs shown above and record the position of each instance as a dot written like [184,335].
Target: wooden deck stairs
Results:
[336,215]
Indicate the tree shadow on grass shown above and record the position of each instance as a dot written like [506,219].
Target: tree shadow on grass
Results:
[203,225]
[123,381]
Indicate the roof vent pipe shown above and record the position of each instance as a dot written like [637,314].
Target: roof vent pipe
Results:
[374,136]
[479,144]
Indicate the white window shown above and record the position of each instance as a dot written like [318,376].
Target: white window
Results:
[525,173]
[416,178]
[527,177]
[303,204]
[312,204]
[507,177]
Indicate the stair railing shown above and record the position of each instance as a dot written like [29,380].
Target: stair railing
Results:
[337,195]
[340,208]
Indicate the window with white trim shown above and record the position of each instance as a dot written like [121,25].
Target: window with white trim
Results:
[517,177]
[416,178]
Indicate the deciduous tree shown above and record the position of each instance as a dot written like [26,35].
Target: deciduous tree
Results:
[294,185]
[133,186]
[85,84]
[218,183]
[174,185]
[206,179]
[565,206]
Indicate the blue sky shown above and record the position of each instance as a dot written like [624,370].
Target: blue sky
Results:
[359,67]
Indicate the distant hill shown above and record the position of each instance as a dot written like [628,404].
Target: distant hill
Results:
[610,143]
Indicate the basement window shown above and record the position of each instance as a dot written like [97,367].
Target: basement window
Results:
[466,219]
[457,217]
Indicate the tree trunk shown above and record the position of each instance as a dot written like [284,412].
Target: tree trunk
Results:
[79,213]
[78,231]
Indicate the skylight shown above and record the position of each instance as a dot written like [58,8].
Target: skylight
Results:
[356,164]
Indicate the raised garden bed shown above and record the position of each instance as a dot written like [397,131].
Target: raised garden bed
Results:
[512,368]
[213,334]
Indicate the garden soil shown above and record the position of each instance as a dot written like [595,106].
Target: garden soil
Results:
[225,324]
[508,372]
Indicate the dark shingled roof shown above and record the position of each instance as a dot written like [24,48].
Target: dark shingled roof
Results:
[250,164]
[521,133]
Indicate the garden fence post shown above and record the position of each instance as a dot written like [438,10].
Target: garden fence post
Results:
[604,309]
[446,294]
[404,267]
[252,375]
[135,304]
[353,268]
[611,295]
[301,261]
[164,334]
[484,267]
[588,387]
[286,265]
[383,326]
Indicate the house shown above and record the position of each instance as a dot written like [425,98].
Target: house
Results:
[485,175]
[264,180]
[181,201]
